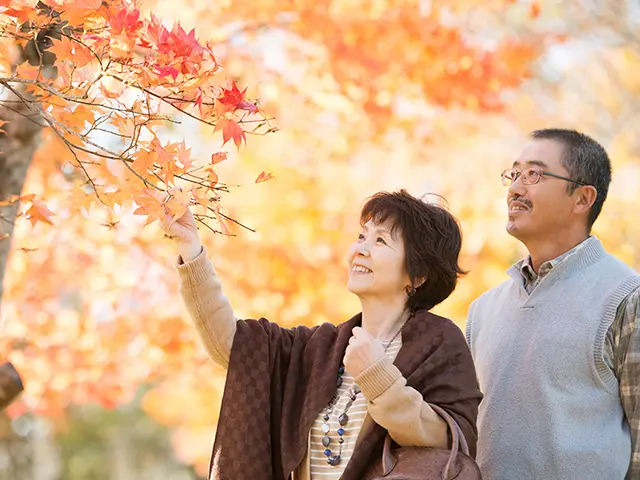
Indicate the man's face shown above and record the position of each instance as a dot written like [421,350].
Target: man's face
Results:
[545,209]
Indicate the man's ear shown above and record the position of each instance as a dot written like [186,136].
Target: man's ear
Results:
[587,195]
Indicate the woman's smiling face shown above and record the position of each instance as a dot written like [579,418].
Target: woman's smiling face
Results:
[377,263]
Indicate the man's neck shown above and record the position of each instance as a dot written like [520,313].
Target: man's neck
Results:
[545,250]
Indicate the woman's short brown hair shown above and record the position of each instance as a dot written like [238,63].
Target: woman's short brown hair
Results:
[432,241]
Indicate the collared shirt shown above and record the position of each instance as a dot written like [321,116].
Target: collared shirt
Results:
[621,349]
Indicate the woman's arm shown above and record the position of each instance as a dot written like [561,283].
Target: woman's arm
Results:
[209,309]
[201,291]
[410,421]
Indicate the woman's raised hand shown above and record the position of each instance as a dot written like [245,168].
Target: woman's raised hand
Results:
[184,232]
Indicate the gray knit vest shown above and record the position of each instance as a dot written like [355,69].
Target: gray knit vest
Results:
[552,408]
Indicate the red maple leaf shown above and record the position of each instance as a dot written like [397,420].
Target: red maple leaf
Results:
[233,97]
[198,101]
[126,21]
[231,129]
[169,70]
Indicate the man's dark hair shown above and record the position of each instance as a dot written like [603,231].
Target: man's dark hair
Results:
[585,160]
[432,241]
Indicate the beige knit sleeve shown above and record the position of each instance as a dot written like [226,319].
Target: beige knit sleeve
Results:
[410,421]
[209,309]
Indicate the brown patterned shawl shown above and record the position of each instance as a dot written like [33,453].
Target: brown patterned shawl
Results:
[280,379]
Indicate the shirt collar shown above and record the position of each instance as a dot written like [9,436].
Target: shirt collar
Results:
[529,274]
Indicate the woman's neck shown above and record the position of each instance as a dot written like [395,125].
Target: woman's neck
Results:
[381,319]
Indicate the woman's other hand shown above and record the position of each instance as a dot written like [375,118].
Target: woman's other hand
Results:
[362,352]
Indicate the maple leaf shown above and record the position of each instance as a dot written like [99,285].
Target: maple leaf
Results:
[168,71]
[234,99]
[183,155]
[169,169]
[67,49]
[107,93]
[27,72]
[2,124]
[213,176]
[218,157]
[199,100]
[165,158]
[178,202]
[263,177]
[144,161]
[23,14]
[126,21]
[534,10]
[223,226]
[15,198]
[38,212]
[110,225]
[152,203]
[230,129]
[80,116]
[77,12]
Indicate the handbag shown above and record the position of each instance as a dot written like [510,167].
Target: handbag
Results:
[422,463]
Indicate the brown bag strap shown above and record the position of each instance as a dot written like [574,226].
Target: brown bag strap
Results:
[457,442]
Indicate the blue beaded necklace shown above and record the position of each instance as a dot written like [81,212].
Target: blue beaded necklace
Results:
[343,419]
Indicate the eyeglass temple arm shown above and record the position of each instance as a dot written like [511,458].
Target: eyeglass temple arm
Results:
[565,178]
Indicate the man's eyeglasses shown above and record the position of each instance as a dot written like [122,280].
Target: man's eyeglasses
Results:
[530,176]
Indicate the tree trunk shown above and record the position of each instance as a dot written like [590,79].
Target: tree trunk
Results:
[17,147]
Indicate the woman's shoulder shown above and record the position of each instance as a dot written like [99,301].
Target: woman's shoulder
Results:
[429,323]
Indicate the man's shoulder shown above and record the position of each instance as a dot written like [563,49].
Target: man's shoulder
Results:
[494,292]
[614,263]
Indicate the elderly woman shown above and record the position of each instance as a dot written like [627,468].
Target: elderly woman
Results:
[317,403]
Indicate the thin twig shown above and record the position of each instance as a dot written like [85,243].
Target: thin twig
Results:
[89,179]
[230,219]
[198,219]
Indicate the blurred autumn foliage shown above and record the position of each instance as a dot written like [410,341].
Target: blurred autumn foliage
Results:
[432,96]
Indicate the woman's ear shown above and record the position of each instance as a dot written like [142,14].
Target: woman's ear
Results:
[419,282]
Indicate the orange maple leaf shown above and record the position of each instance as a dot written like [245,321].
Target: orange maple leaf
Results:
[177,203]
[183,155]
[38,212]
[27,72]
[218,157]
[223,226]
[18,198]
[213,176]
[534,10]
[231,129]
[144,161]
[263,177]
[109,94]
[152,203]
[66,49]
[76,12]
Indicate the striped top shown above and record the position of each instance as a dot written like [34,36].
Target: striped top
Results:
[320,469]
